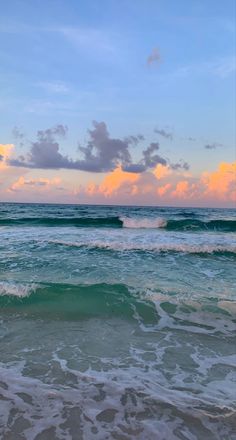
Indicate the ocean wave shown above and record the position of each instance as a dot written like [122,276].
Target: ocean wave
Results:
[145,247]
[16,289]
[143,223]
[151,310]
[78,301]
[114,222]
[199,225]
[186,224]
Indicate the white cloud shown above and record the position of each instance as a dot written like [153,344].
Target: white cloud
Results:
[90,39]
[59,87]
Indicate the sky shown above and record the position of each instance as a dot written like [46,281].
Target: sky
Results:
[118,102]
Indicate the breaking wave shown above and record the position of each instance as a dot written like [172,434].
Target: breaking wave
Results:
[16,289]
[186,224]
[143,223]
[146,247]
[146,307]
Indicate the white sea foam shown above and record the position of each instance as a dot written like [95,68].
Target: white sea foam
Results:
[15,289]
[144,223]
[155,247]
[117,401]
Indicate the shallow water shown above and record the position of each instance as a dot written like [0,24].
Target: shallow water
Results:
[117,323]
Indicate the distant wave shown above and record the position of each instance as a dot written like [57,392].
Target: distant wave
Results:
[199,225]
[114,222]
[143,223]
[187,224]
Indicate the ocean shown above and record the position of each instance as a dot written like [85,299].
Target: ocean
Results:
[117,323]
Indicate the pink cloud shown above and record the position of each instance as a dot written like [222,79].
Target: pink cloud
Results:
[162,186]
[5,152]
[41,184]
[166,186]
[221,183]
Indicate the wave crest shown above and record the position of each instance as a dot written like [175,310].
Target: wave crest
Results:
[143,222]
[17,290]
[186,224]
[145,247]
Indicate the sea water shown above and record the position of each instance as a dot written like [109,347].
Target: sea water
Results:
[117,323]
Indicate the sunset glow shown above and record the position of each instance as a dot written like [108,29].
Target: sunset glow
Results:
[94,111]
[160,186]
[117,219]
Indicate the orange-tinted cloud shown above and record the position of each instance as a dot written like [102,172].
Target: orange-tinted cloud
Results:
[40,184]
[167,186]
[5,152]
[7,174]
[182,189]
[162,190]
[162,171]
[163,185]
[116,180]
[221,183]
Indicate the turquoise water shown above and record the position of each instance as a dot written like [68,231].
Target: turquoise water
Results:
[117,323]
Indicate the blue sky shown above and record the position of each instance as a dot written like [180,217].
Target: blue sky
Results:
[72,62]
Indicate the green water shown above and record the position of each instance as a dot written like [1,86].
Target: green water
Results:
[117,323]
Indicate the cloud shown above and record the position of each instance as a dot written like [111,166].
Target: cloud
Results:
[222,182]
[213,146]
[164,133]
[154,57]
[94,41]
[49,134]
[45,152]
[184,190]
[149,160]
[116,180]
[7,174]
[134,168]
[5,152]
[165,185]
[180,165]
[220,68]
[162,190]
[58,87]
[21,184]
[223,67]
[120,182]
[14,184]
[17,133]
[102,153]
[162,171]
[134,139]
